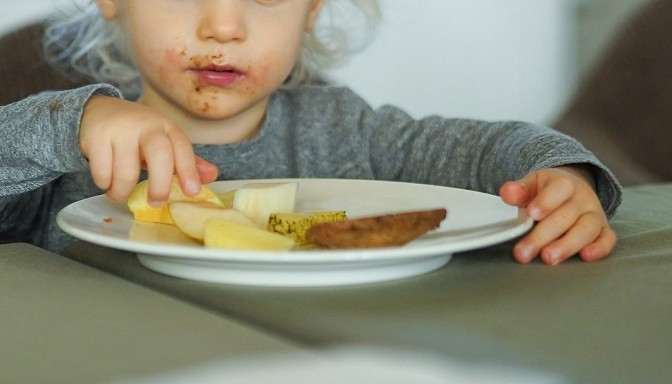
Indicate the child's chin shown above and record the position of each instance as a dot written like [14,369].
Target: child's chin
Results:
[211,112]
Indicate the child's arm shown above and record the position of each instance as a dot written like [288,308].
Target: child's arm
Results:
[120,138]
[570,219]
[39,145]
[40,138]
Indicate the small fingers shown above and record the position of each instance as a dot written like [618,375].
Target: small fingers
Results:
[589,237]
[185,162]
[601,247]
[125,171]
[569,217]
[207,171]
[137,136]
[157,153]
[550,198]
[585,231]
[546,231]
[100,166]
[515,193]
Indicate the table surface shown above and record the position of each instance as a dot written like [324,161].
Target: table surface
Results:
[64,322]
[603,322]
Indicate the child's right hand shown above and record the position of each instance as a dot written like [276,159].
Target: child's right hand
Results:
[120,138]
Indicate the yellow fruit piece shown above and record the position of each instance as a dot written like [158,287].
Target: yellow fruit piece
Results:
[190,216]
[142,211]
[159,233]
[295,224]
[220,233]
[226,198]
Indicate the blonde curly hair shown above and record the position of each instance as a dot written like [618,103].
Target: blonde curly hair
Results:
[83,46]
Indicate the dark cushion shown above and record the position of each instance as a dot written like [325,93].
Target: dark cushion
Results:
[623,110]
[23,70]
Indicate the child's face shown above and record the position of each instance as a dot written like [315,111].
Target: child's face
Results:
[214,59]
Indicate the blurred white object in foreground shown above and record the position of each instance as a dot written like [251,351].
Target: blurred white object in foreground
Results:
[350,366]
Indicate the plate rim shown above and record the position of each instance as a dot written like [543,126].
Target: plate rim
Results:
[308,257]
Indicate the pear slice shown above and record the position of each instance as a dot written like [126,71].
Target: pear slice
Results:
[226,198]
[190,216]
[226,234]
[142,211]
[258,200]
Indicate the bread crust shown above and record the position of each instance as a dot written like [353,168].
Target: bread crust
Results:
[378,231]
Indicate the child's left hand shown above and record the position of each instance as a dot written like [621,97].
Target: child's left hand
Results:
[570,219]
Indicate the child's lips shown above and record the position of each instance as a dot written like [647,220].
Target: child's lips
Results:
[219,75]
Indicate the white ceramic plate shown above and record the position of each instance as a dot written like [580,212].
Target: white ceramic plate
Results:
[474,220]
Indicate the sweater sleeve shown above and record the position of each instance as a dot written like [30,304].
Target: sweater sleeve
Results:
[476,155]
[39,144]
[40,138]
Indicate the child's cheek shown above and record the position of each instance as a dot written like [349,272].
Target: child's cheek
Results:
[169,65]
[268,76]
[174,56]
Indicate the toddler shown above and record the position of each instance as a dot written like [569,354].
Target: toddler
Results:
[230,89]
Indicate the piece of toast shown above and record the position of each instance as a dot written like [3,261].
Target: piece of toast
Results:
[379,231]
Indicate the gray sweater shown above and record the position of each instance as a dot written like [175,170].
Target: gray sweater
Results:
[311,132]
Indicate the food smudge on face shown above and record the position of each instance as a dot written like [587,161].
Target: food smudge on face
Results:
[201,61]
[196,101]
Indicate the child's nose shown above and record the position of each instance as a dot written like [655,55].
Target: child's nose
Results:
[223,21]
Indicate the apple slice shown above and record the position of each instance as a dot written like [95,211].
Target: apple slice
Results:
[259,200]
[226,234]
[190,216]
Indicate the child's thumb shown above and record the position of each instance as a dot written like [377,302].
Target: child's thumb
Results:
[520,192]
[207,171]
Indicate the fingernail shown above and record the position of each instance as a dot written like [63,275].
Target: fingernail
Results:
[553,257]
[156,203]
[524,252]
[191,187]
[535,213]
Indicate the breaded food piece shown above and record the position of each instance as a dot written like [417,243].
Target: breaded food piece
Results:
[378,231]
[296,224]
